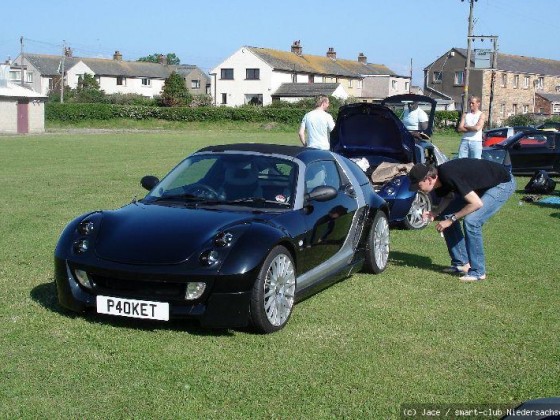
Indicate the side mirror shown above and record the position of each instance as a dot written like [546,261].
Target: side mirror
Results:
[149,182]
[321,193]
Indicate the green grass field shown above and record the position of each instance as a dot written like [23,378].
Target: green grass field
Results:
[359,349]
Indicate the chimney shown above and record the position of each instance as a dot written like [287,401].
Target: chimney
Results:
[331,53]
[162,59]
[117,56]
[297,48]
[68,52]
[362,58]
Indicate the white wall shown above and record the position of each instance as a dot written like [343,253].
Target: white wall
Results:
[8,115]
[237,88]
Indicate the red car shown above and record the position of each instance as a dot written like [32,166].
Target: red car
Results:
[497,135]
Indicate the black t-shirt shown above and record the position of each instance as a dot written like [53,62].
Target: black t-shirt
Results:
[465,175]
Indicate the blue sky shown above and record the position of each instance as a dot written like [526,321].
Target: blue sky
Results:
[205,33]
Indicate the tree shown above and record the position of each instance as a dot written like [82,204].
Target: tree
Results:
[154,58]
[175,93]
[88,90]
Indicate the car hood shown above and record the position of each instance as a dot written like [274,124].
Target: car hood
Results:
[157,234]
[365,128]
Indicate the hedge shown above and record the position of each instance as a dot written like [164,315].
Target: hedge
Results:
[74,112]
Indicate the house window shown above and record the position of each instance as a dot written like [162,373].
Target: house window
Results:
[516,81]
[146,82]
[252,74]
[310,79]
[29,77]
[51,83]
[226,74]
[525,109]
[502,110]
[360,84]
[350,83]
[514,109]
[253,99]
[459,78]
[437,77]
[504,80]
[526,81]
[15,75]
[406,86]
[393,84]
[120,81]
[294,78]
[540,83]
[224,98]
[556,108]
[195,84]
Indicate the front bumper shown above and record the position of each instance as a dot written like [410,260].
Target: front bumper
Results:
[218,307]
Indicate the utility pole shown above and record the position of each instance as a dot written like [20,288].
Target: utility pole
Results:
[21,62]
[410,84]
[62,72]
[468,64]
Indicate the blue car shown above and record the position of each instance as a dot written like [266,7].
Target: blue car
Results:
[375,137]
[233,236]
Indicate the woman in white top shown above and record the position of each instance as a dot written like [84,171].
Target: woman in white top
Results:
[471,125]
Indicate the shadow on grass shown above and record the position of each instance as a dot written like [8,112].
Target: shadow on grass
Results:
[404,259]
[45,295]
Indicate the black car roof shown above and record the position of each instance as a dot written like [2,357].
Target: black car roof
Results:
[299,152]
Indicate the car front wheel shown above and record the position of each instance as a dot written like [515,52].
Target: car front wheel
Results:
[377,247]
[421,204]
[273,294]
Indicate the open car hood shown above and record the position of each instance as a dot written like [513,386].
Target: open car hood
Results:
[376,129]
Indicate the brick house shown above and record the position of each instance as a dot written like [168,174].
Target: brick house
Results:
[513,88]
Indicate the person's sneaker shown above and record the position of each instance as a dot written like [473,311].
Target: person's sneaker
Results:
[471,278]
[457,269]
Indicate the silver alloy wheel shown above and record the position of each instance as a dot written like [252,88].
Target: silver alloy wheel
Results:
[279,290]
[381,242]
[421,204]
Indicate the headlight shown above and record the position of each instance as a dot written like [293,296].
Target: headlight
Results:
[86,227]
[209,257]
[390,190]
[223,239]
[81,246]
[194,290]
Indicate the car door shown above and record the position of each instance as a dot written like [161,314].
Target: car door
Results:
[534,151]
[328,222]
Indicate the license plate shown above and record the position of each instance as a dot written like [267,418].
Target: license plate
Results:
[133,308]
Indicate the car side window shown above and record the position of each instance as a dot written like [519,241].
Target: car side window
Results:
[535,140]
[320,173]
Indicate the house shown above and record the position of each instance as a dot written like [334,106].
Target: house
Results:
[547,103]
[260,75]
[42,74]
[512,88]
[22,110]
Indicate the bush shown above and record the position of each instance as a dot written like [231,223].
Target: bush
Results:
[521,119]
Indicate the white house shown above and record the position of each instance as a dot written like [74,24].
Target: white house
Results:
[260,75]
[22,111]
[42,74]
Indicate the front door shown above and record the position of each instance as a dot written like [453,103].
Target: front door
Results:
[23,116]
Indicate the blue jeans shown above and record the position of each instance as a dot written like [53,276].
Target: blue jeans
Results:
[468,248]
[470,148]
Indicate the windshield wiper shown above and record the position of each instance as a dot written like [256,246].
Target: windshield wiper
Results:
[257,200]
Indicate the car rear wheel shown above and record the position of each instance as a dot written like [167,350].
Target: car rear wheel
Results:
[377,247]
[421,204]
[272,299]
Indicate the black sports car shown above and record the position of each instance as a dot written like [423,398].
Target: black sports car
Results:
[375,136]
[528,152]
[233,235]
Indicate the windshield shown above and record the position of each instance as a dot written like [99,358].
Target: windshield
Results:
[234,179]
